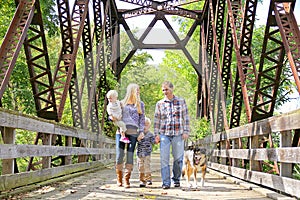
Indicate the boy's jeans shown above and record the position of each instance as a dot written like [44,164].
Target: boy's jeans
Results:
[177,144]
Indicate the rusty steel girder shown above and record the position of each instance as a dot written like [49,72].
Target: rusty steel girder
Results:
[247,75]
[179,44]
[39,67]
[90,74]
[100,58]
[270,69]
[290,35]
[65,77]
[13,40]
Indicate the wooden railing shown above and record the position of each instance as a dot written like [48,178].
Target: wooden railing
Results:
[94,151]
[239,152]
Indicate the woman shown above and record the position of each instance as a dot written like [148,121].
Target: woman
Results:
[133,115]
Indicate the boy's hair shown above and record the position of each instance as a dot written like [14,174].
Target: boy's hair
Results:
[112,93]
[147,120]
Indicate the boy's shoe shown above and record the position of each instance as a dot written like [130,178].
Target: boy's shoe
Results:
[149,182]
[125,140]
[142,184]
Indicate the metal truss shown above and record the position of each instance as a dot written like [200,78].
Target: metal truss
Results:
[90,74]
[39,67]
[171,7]
[290,34]
[100,58]
[179,44]
[65,77]
[246,78]
[226,31]
[270,69]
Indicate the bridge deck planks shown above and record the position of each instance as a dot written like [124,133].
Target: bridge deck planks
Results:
[102,185]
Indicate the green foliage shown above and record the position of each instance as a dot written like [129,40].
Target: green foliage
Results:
[7,9]
[18,95]
[50,17]
[200,129]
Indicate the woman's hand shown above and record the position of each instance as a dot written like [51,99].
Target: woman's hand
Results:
[112,118]
[141,136]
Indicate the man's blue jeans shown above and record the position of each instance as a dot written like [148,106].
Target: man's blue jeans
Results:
[177,144]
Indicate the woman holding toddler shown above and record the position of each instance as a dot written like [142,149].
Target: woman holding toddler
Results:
[133,115]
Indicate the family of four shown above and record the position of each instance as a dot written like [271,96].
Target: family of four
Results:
[171,128]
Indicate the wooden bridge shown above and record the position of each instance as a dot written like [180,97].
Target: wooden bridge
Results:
[103,155]
[233,82]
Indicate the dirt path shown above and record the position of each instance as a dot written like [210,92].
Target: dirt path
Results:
[102,185]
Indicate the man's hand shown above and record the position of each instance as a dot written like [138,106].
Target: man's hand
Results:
[185,136]
[157,139]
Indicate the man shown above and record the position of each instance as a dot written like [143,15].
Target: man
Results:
[171,128]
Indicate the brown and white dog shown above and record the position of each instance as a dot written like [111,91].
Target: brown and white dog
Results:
[193,160]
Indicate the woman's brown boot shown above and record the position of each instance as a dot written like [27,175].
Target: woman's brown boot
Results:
[119,172]
[128,169]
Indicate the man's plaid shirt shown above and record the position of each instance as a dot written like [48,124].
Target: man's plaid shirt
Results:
[171,117]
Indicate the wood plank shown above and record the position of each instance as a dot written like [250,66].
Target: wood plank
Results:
[284,122]
[283,184]
[286,154]
[16,151]
[11,181]
[31,123]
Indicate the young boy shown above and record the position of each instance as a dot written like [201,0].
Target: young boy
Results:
[114,111]
[144,150]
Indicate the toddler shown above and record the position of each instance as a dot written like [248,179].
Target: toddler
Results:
[144,150]
[114,110]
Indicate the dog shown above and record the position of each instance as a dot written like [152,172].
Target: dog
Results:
[194,160]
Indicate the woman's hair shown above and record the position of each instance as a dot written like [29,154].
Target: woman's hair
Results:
[111,93]
[132,97]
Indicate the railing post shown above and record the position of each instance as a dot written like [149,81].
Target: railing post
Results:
[8,138]
[47,140]
[286,169]
[83,158]
[223,147]
[68,159]
[235,145]
[254,144]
